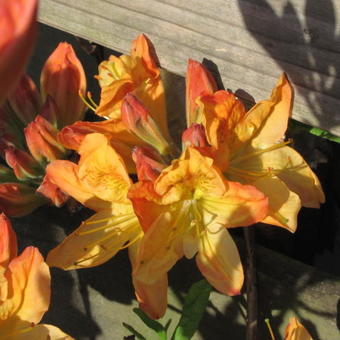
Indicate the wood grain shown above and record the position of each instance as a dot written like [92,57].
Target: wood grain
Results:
[249,42]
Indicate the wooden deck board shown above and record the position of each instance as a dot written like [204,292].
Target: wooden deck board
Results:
[250,41]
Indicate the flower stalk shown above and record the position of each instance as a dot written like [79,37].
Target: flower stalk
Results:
[251,285]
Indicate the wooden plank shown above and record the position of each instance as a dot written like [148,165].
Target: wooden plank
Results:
[250,41]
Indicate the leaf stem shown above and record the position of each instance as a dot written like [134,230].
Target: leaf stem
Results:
[251,285]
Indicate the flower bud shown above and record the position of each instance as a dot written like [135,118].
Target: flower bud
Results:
[42,142]
[17,199]
[148,163]
[62,78]
[52,192]
[199,81]
[195,136]
[22,163]
[138,120]
[25,99]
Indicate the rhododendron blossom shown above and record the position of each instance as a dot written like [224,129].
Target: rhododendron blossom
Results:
[24,290]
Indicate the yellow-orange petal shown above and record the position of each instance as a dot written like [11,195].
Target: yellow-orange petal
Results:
[292,169]
[266,123]
[29,278]
[102,170]
[190,176]
[8,242]
[241,205]
[52,192]
[41,332]
[283,204]
[219,261]
[160,248]
[143,48]
[111,98]
[221,112]
[152,298]
[64,175]
[296,331]
[97,240]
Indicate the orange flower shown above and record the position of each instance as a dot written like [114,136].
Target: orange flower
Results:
[249,147]
[24,290]
[101,182]
[18,32]
[185,211]
[137,74]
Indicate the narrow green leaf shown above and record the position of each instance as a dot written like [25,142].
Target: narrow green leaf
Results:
[194,306]
[314,130]
[134,332]
[154,325]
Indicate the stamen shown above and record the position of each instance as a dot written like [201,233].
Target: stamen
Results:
[132,242]
[89,96]
[216,231]
[85,101]
[22,330]
[269,328]
[259,152]
[114,223]
[251,175]
[110,248]
[111,233]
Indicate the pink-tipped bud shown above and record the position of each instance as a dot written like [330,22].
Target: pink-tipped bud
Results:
[52,192]
[198,81]
[138,120]
[17,199]
[22,163]
[62,78]
[42,141]
[25,100]
[148,163]
[18,31]
[195,136]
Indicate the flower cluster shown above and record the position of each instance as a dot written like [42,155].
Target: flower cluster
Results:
[29,124]
[235,169]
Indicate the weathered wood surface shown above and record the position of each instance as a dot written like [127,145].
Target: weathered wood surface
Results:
[250,42]
[92,304]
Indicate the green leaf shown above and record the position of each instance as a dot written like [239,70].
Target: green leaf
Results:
[194,306]
[134,332]
[154,325]
[314,131]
